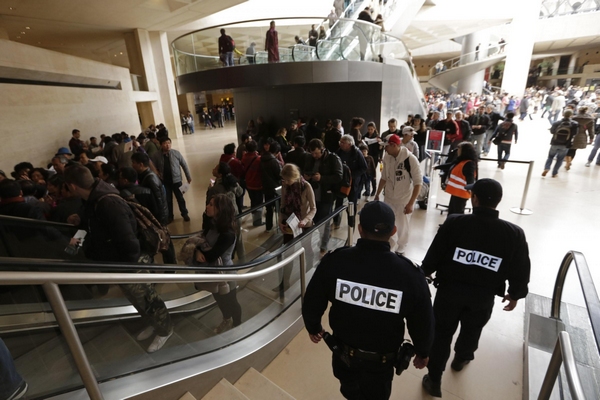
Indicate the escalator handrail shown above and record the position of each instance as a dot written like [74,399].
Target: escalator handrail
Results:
[101,268]
[40,222]
[590,295]
[237,217]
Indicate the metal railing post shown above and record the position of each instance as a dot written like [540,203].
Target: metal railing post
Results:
[351,213]
[551,373]
[68,329]
[302,276]
[522,210]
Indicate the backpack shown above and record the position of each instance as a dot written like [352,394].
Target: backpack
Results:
[562,135]
[230,43]
[346,183]
[152,235]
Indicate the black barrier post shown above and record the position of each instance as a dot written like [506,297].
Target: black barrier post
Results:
[522,210]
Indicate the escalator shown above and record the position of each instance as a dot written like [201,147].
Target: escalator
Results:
[107,324]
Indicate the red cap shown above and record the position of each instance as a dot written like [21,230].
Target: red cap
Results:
[393,138]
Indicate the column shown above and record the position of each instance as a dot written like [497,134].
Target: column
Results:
[473,82]
[520,47]
[149,58]
[167,94]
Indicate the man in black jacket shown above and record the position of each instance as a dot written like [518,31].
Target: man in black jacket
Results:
[480,122]
[473,255]
[112,237]
[297,155]
[324,173]
[351,156]
[494,118]
[270,173]
[369,307]
[150,181]
[333,136]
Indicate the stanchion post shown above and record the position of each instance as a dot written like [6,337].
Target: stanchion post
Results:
[522,210]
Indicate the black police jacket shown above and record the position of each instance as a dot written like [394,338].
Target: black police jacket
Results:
[372,291]
[482,251]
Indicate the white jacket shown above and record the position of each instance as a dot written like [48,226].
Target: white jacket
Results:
[398,182]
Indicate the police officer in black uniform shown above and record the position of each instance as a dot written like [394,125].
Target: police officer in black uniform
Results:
[372,292]
[473,256]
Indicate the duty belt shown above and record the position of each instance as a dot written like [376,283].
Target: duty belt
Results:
[370,356]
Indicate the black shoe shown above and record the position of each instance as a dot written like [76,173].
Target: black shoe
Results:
[373,193]
[19,392]
[186,218]
[434,389]
[458,363]
[258,223]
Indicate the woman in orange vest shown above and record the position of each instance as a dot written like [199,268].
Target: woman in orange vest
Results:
[463,171]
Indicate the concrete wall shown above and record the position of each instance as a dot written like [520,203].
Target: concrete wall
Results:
[36,120]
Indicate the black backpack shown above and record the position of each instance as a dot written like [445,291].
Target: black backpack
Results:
[562,135]
[152,235]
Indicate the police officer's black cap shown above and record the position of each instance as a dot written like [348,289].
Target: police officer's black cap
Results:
[488,189]
[377,217]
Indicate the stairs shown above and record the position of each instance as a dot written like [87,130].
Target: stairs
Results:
[251,386]
[445,79]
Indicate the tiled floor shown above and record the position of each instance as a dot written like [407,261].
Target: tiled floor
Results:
[564,218]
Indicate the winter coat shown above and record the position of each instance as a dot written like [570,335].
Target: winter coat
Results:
[586,127]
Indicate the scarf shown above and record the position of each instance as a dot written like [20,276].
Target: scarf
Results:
[292,202]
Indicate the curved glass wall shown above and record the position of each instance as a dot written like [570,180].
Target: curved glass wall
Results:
[558,8]
[340,39]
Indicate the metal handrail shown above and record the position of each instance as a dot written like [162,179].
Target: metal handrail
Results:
[51,280]
[563,351]
[590,295]
[454,61]
[39,222]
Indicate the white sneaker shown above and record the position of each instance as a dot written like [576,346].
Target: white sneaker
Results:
[158,343]
[225,325]
[587,164]
[145,334]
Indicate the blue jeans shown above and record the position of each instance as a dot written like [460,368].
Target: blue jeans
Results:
[556,151]
[486,141]
[553,116]
[595,150]
[228,59]
[10,379]
[503,148]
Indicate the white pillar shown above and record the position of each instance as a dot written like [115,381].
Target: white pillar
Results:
[153,55]
[520,47]
[474,82]
[167,93]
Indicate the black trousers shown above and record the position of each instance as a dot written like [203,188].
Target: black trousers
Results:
[456,205]
[173,189]
[229,306]
[454,304]
[364,380]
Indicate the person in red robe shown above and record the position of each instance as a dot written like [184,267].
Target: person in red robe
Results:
[272,44]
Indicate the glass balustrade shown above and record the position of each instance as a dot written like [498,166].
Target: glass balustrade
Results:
[345,39]
[44,360]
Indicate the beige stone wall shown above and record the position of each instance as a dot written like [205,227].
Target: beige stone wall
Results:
[36,120]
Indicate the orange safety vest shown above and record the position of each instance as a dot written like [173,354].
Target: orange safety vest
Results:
[457,181]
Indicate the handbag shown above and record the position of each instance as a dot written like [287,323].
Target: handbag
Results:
[188,255]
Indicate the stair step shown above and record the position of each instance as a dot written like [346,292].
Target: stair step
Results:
[187,396]
[258,387]
[224,390]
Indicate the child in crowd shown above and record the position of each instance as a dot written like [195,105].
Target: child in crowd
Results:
[371,175]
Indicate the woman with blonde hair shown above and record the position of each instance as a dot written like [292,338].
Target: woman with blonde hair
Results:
[297,197]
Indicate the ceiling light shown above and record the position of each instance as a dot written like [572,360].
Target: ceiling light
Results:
[27,27]
[115,55]
[12,8]
[18,37]
[121,53]
[22,33]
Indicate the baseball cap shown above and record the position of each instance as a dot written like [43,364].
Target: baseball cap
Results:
[377,217]
[101,159]
[486,188]
[393,138]
[408,130]
[63,150]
